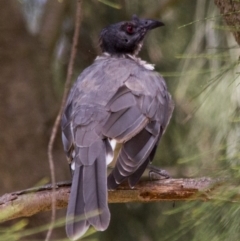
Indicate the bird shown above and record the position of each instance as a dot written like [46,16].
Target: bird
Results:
[118,99]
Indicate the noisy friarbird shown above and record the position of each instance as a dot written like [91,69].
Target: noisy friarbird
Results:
[117,99]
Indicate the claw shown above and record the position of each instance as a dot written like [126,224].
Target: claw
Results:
[155,173]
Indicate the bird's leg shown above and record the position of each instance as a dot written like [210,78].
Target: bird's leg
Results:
[155,173]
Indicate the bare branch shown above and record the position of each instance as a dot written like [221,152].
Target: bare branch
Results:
[32,201]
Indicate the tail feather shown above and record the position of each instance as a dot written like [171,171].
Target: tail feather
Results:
[76,223]
[88,198]
[95,193]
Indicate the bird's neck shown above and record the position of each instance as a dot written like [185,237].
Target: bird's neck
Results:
[135,58]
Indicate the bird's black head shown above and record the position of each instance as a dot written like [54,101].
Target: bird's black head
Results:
[126,37]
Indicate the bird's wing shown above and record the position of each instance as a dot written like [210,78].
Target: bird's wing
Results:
[140,111]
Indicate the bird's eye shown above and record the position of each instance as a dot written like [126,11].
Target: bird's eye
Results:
[129,29]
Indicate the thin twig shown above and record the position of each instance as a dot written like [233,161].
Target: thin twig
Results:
[57,121]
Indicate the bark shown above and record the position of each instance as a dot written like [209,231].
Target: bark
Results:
[231,13]
[32,201]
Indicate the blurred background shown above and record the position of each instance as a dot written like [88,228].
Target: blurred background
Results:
[198,56]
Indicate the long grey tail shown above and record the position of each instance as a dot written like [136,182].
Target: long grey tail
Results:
[88,199]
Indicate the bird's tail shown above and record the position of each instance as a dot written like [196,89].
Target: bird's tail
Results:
[88,198]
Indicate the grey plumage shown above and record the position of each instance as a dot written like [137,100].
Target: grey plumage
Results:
[118,98]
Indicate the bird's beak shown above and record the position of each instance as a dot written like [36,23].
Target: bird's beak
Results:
[148,24]
[151,24]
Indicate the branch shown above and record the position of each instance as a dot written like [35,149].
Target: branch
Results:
[32,201]
[230,11]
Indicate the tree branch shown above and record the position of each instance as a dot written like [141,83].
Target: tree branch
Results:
[231,14]
[32,201]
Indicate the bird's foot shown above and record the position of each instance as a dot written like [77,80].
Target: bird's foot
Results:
[155,173]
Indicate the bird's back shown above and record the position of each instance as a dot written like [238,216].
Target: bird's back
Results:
[100,81]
